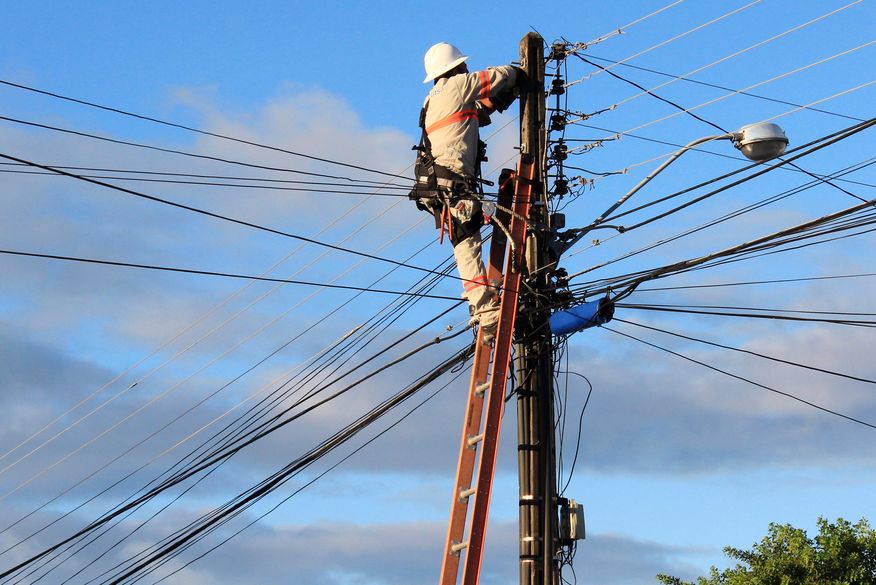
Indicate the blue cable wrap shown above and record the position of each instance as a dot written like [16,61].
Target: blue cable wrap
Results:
[582,317]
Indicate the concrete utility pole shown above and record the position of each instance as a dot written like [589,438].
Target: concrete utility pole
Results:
[534,361]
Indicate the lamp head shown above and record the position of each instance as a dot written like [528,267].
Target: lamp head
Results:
[760,142]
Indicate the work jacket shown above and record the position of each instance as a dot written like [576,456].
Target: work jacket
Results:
[452,120]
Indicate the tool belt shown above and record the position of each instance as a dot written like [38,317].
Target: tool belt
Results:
[440,191]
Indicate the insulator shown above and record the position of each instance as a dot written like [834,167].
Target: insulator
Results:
[558,52]
[558,86]
[560,152]
[561,187]
[558,122]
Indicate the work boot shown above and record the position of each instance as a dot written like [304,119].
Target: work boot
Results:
[489,335]
[488,321]
[488,316]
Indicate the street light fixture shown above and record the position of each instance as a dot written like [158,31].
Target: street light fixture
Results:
[760,142]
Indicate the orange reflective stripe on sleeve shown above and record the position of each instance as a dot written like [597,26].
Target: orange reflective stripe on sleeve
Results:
[475,282]
[452,119]
[484,78]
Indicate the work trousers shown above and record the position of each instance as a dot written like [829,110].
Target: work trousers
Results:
[478,291]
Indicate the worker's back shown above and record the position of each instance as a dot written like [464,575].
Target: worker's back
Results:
[452,116]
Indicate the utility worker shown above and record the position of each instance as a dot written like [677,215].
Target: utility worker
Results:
[448,165]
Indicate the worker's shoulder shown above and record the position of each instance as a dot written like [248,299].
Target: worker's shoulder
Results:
[457,84]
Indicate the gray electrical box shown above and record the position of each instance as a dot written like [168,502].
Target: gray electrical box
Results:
[571,522]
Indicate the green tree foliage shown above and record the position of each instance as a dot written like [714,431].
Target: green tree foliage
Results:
[841,554]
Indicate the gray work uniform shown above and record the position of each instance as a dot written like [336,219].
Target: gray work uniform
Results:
[451,124]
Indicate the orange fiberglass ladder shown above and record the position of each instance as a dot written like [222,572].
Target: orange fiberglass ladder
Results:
[488,384]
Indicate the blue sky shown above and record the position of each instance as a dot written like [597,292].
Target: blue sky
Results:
[676,461]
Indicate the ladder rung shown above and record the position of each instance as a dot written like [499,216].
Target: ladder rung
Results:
[458,547]
[463,494]
[475,439]
[481,389]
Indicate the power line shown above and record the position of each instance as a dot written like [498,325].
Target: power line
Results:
[750,352]
[209,460]
[834,138]
[620,30]
[397,315]
[176,386]
[222,274]
[335,220]
[166,451]
[687,75]
[676,145]
[764,82]
[813,146]
[798,152]
[765,309]
[131,368]
[178,532]
[798,232]
[186,153]
[309,189]
[197,130]
[214,215]
[821,100]
[278,479]
[580,423]
[743,379]
[850,322]
[214,184]
[737,213]
[311,482]
[190,376]
[716,86]
[211,332]
[840,221]
[689,112]
[400,302]
[654,95]
[758,282]
[824,142]
[757,251]
[675,38]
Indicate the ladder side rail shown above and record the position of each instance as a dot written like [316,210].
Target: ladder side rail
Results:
[474,409]
[501,362]
[465,467]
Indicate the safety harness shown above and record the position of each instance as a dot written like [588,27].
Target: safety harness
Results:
[438,189]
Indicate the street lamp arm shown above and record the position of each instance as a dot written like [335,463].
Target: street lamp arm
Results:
[758,142]
[572,236]
[656,172]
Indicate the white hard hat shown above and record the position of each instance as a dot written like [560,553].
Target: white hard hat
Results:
[440,59]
